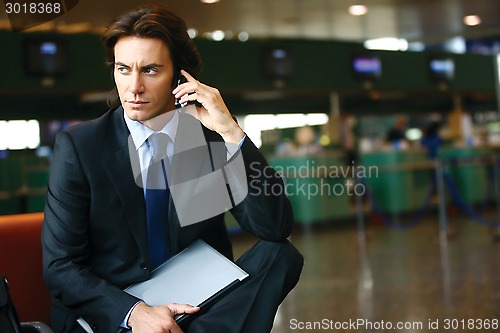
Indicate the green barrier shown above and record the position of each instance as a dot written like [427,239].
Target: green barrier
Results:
[423,176]
[23,180]
[403,181]
[470,177]
[315,186]
[37,179]
[9,204]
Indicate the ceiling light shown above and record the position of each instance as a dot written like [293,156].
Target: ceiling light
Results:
[192,32]
[209,1]
[472,20]
[358,10]
[218,35]
[455,45]
[387,43]
[243,36]
[416,46]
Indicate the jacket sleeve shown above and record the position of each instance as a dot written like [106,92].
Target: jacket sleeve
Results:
[265,211]
[66,247]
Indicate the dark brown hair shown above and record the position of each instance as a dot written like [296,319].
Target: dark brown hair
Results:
[154,21]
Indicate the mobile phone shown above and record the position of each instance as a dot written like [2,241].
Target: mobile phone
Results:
[180,80]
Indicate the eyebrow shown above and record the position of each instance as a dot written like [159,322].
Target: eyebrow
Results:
[153,65]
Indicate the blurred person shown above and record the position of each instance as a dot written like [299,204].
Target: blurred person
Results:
[285,147]
[396,135]
[306,141]
[348,139]
[95,233]
[431,140]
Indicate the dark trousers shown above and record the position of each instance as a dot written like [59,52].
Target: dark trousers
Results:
[274,270]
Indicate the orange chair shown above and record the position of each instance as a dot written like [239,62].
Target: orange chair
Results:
[21,264]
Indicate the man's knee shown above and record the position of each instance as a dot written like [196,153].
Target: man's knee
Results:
[287,264]
[294,260]
[290,255]
[284,254]
[266,255]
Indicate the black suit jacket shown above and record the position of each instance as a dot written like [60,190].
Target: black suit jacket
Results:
[95,232]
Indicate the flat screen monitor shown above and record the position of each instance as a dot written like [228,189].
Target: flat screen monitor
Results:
[46,57]
[441,69]
[367,66]
[278,62]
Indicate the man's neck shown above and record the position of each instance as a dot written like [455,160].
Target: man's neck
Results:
[159,122]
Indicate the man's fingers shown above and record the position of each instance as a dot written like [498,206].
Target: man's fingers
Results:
[183,308]
[187,90]
[189,86]
[188,76]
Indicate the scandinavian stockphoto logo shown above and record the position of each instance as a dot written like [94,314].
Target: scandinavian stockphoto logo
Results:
[203,183]
[24,15]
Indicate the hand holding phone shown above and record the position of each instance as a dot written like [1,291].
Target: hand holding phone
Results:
[180,80]
[212,111]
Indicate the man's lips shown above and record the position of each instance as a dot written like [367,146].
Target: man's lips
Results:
[137,103]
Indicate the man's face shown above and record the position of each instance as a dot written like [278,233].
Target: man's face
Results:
[143,75]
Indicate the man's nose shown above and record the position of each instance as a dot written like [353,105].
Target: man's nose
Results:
[136,83]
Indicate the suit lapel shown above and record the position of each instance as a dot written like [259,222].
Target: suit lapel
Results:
[117,162]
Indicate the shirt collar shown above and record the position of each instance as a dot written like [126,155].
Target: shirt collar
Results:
[141,133]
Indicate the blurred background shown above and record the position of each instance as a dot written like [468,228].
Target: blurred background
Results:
[382,116]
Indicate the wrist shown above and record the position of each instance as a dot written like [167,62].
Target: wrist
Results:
[234,135]
[135,313]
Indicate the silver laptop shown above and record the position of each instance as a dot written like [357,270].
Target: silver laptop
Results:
[199,276]
[193,276]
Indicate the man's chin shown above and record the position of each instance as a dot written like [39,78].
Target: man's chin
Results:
[137,115]
[155,122]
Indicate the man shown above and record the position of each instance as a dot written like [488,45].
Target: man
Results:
[95,234]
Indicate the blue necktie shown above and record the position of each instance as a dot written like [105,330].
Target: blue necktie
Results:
[157,199]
